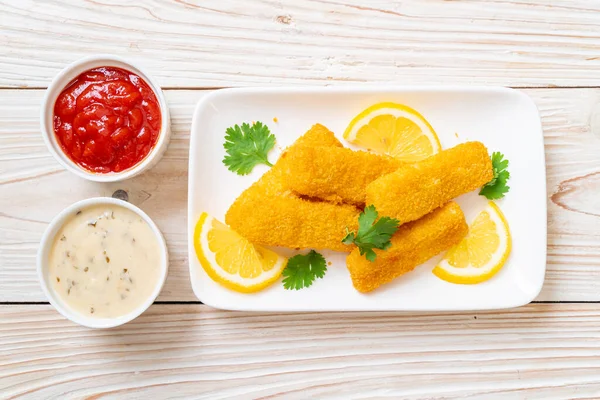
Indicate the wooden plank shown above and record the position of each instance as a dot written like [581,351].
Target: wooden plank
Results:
[34,188]
[545,351]
[204,43]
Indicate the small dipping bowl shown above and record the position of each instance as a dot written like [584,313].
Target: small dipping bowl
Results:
[48,285]
[63,79]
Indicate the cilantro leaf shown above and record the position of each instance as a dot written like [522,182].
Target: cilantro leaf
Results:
[302,270]
[247,146]
[372,233]
[497,187]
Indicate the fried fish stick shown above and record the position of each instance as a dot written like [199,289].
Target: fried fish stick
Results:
[292,222]
[412,245]
[269,214]
[339,175]
[271,183]
[417,189]
[317,135]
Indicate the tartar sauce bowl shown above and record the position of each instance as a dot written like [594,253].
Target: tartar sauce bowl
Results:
[50,240]
[63,79]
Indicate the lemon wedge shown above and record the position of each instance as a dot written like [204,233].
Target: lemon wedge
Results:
[482,253]
[393,129]
[232,260]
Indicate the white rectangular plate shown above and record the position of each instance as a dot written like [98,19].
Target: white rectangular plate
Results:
[504,120]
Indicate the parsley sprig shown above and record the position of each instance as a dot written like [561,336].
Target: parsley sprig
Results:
[302,270]
[497,187]
[372,233]
[247,146]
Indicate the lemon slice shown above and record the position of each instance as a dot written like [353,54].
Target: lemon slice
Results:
[393,129]
[233,261]
[482,253]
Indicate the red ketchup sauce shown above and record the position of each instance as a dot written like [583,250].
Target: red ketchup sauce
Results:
[107,120]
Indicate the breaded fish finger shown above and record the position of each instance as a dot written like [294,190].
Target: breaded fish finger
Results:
[317,135]
[292,222]
[271,183]
[339,175]
[412,245]
[417,189]
[269,214]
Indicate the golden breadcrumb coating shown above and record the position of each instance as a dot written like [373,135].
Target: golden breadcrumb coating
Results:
[339,175]
[412,245]
[271,183]
[318,135]
[417,189]
[292,222]
[268,214]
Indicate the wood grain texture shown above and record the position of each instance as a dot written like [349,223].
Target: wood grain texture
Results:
[204,43]
[33,188]
[549,351]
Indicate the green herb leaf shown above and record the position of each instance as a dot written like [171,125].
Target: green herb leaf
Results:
[302,270]
[372,233]
[497,187]
[247,146]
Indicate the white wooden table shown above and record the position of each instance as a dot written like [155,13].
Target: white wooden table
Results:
[181,348]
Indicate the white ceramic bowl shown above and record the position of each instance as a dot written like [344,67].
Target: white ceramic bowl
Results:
[62,80]
[43,270]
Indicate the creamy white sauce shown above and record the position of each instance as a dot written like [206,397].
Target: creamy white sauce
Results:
[105,261]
